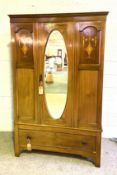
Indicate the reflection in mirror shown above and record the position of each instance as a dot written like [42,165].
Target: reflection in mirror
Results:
[56,74]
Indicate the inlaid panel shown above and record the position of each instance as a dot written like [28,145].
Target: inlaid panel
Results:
[89,45]
[24,44]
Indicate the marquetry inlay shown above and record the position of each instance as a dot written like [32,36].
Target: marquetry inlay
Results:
[89,45]
[24,45]
[25,40]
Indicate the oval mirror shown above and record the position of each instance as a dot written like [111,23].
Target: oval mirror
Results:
[56,74]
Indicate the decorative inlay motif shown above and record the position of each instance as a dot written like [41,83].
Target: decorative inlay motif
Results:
[24,49]
[89,45]
[24,44]
[25,41]
[89,48]
[24,38]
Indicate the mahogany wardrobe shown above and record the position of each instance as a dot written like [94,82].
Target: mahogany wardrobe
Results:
[57,62]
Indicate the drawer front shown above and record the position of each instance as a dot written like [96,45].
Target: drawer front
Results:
[60,140]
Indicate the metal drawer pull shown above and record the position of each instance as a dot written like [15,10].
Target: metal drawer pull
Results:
[29,146]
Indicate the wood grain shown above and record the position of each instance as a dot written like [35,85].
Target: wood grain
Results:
[78,131]
[25,93]
[87,112]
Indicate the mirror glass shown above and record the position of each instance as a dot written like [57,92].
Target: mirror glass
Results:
[56,74]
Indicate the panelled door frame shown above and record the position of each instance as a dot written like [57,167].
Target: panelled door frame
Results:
[44,31]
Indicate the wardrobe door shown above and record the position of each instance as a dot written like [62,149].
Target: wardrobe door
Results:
[55,73]
[89,74]
[23,67]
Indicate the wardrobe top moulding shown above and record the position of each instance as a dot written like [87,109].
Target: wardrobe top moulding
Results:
[87,16]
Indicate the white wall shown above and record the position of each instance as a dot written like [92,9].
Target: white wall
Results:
[57,6]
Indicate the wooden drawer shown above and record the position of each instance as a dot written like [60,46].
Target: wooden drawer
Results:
[59,140]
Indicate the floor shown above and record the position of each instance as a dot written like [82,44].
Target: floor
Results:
[41,163]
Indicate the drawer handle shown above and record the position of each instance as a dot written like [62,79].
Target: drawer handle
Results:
[29,146]
[84,143]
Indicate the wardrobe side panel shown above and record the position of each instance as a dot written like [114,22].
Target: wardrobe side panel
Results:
[89,64]
[25,94]
[24,71]
[87,109]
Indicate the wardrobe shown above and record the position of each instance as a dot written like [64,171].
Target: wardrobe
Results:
[57,62]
